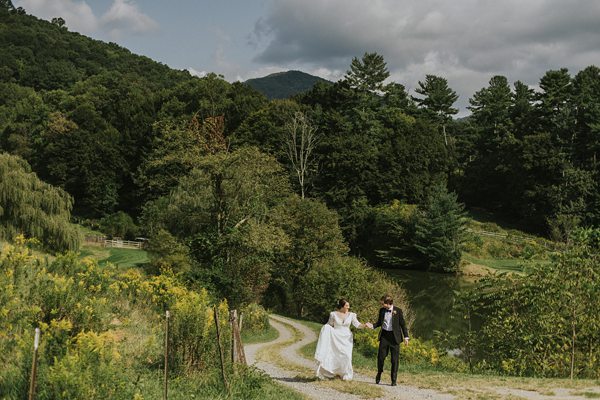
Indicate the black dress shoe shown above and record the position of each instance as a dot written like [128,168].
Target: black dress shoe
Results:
[393,383]
[378,378]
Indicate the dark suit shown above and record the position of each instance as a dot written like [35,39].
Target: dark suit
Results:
[389,341]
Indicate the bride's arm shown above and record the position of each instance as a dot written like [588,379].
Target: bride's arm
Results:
[355,322]
[331,318]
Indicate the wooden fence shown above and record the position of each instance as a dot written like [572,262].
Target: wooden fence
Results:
[124,244]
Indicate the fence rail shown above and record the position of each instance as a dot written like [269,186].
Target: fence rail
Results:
[104,242]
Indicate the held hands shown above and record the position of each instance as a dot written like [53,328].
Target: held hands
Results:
[369,325]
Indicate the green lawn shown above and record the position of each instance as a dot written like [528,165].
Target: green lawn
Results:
[124,258]
[500,264]
[266,336]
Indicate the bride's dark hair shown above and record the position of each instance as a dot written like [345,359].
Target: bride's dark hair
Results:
[341,303]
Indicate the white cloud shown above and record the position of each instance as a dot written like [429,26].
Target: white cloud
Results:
[78,15]
[124,16]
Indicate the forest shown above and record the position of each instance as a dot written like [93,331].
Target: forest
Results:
[290,204]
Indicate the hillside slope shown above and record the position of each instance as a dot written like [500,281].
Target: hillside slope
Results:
[282,85]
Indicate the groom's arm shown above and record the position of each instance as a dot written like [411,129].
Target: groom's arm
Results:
[379,321]
[403,325]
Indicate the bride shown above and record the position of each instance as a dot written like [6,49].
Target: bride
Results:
[334,348]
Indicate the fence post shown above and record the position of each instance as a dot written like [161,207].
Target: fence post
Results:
[233,323]
[216,312]
[36,343]
[167,316]
[237,353]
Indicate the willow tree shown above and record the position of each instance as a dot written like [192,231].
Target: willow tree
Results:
[34,208]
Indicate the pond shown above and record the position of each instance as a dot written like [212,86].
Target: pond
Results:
[430,296]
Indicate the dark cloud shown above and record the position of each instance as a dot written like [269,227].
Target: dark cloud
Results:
[466,41]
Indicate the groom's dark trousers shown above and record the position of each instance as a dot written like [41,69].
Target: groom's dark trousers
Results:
[388,343]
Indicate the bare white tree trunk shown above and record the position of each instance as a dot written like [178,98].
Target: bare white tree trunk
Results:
[300,139]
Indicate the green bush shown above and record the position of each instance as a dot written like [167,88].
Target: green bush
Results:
[544,323]
[90,369]
[193,332]
[255,319]
[347,277]
[120,225]
[417,353]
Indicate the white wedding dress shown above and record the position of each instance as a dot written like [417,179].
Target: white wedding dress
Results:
[334,347]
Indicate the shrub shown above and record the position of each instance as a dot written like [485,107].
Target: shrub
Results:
[119,224]
[349,278]
[193,332]
[89,370]
[255,318]
[418,353]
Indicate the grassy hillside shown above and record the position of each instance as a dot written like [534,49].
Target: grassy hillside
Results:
[282,85]
[492,246]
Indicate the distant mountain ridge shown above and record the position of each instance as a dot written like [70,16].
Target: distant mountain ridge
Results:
[282,85]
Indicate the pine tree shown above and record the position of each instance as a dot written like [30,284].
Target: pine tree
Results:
[368,73]
[440,229]
[438,100]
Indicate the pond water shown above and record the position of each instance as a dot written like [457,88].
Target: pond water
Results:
[430,296]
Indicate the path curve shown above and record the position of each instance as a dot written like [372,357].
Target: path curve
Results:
[311,388]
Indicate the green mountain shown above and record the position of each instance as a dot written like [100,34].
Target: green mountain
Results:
[46,56]
[282,85]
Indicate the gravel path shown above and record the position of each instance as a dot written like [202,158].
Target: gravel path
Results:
[296,379]
[311,388]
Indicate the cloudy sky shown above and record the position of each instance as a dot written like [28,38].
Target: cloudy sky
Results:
[465,41]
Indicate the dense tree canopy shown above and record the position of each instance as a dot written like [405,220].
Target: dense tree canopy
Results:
[116,130]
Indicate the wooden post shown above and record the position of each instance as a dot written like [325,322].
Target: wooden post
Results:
[241,320]
[216,312]
[233,323]
[36,343]
[236,340]
[167,316]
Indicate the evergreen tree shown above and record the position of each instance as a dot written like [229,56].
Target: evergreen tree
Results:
[438,100]
[368,73]
[522,110]
[491,107]
[440,231]
[555,106]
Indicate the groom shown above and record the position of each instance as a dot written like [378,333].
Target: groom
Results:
[393,332]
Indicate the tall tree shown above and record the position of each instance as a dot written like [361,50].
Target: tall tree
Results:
[300,141]
[34,208]
[555,105]
[220,209]
[7,5]
[314,235]
[522,110]
[368,73]
[491,107]
[438,100]
[440,231]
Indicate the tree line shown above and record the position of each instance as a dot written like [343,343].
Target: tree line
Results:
[117,131]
